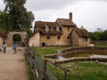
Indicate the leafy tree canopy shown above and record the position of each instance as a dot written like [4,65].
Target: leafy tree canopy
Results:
[18,16]
[3,20]
[99,34]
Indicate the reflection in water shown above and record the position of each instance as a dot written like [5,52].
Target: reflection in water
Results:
[60,58]
[92,54]
[99,56]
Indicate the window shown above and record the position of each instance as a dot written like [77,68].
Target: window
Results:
[85,39]
[48,37]
[68,37]
[68,29]
[59,37]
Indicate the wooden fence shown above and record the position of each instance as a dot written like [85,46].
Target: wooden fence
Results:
[98,42]
[39,68]
[39,74]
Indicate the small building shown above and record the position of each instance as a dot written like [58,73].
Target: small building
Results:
[80,37]
[63,32]
[3,36]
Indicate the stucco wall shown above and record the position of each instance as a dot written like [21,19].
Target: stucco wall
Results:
[65,35]
[78,41]
[75,39]
[35,40]
[81,43]
[53,41]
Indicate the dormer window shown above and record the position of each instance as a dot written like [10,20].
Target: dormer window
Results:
[58,29]
[47,29]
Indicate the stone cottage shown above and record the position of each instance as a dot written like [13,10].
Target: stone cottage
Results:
[63,32]
[3,36]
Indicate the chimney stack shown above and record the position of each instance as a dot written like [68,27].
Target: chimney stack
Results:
[70,17]
[82,27]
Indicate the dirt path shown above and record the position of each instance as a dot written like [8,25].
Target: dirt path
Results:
[13,66]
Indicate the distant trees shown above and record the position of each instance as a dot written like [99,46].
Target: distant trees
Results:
[99,34]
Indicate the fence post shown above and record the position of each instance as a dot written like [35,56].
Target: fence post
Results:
[65,74]
[45,70]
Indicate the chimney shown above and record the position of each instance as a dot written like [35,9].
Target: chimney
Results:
[70,17]
[82,27]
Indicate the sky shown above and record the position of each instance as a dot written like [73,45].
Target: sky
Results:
[91,14]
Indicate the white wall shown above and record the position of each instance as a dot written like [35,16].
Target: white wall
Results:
[35,40]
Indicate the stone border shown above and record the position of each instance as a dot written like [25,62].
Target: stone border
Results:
[78,49]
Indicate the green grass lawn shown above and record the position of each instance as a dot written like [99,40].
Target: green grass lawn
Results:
[81,71]
[48,50]
[77,70]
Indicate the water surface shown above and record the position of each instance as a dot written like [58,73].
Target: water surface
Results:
[92,54]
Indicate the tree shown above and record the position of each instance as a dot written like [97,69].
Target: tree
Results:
[104,35]
[3,21]
[18,16]
[99,34]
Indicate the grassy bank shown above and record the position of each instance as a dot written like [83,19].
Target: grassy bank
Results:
[77,70]
[46,51]
[29,70]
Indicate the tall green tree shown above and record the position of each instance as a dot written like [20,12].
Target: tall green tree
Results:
[18,16]
[3,21]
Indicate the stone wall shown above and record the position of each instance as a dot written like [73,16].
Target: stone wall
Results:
[11,34]
[78,49]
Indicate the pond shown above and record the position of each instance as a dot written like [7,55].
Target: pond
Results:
[91,54]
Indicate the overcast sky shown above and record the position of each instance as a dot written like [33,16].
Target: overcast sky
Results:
[91,14]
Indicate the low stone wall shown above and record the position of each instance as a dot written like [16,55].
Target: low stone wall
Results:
[83,49]
[97,60]
[78,49]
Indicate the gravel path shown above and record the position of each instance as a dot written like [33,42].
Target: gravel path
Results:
[13,66]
